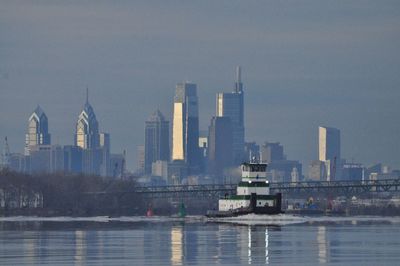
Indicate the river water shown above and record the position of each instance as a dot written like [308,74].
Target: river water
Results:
[196,241]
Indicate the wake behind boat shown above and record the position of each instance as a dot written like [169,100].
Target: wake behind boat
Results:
[252,195]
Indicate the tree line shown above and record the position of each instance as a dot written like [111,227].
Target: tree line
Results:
[66,194]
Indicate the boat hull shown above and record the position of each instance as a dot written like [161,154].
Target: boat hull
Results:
[252,209]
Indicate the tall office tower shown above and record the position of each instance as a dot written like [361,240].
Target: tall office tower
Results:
[156,140]
[87,128]
[329,150]
[87,137]
[220,145]
[231,105]
[271,151]
[38,130]
[185,131]
[105,144]
[329,143]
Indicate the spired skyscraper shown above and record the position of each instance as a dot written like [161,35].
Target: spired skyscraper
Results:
[87,128]
[87,137]
[232,105]
[38,130]
[156,140]
[185,131]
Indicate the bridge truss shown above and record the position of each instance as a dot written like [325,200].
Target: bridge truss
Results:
[332,188]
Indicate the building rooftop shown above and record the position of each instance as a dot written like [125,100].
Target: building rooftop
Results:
[157,116]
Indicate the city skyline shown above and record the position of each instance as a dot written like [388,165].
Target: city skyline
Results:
[87,112]
[300,74]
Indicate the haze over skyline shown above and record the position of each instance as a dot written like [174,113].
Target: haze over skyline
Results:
[305,64]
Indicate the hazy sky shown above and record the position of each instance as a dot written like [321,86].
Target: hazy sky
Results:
[305,63]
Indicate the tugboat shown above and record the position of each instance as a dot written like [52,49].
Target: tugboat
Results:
[252,195]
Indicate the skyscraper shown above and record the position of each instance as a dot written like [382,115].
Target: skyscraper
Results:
[185,131]
[38,132]
[87,137]
[140,159]
[329,143]
[220,146]
[156,140]
[271,152]
[87,128]
[329,150]
[232,105]
[105,144]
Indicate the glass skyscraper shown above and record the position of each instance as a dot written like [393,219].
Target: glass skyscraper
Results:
[87,128]
[219,147]
[329,143]
[329,151]
[87,137]
[185,131]
[38,130]
[231,105]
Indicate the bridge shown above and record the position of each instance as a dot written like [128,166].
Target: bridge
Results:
[288,189]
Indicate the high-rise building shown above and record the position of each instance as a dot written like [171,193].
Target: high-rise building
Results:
[105,144]
[117,164]
[231,105]
[19,162]
[38,130]
[280,169]
[87,137]
[329,151]
[73,159]
[87,128]
[353,172]
[185,131]
[317,171]
[284,170]
[46,159]
[329,143]
[156,140]
[271,151]
[220,147]
[251,151]
[140,160]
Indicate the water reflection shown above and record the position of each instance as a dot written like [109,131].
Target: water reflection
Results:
[29,247]
[322,244]
[199,244]
[257,245]
[176,245]
[266,246]
[80,247]
[249,245]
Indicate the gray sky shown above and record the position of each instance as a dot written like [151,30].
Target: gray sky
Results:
[305,63]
